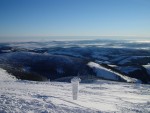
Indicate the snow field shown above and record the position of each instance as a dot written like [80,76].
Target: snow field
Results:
[54,97]
[17,96]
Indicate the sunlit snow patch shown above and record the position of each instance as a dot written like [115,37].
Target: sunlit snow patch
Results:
[109,74]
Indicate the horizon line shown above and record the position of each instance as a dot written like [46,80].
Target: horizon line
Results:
[75,36]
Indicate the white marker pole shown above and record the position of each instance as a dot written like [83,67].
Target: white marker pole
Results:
[75,85]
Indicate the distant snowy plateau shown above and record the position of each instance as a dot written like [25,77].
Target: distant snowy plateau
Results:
[35,76]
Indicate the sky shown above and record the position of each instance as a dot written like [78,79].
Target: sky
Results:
[37,18]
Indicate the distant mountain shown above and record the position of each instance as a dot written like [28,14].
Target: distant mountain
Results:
[57,59]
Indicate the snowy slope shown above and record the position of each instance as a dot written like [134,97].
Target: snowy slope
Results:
[109,74]
[4,76]
[56,97]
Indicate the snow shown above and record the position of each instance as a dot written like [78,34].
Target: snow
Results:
[76,79]
[4,76]
[7,51]
[101,71]
[56,97]
[114,66]
[109,74]
[147,68]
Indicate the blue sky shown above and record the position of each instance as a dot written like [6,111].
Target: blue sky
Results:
[21,18]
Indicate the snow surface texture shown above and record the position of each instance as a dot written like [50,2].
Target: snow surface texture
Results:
[18,96]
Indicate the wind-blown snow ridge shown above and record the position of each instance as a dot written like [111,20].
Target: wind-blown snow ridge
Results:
[109,74]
